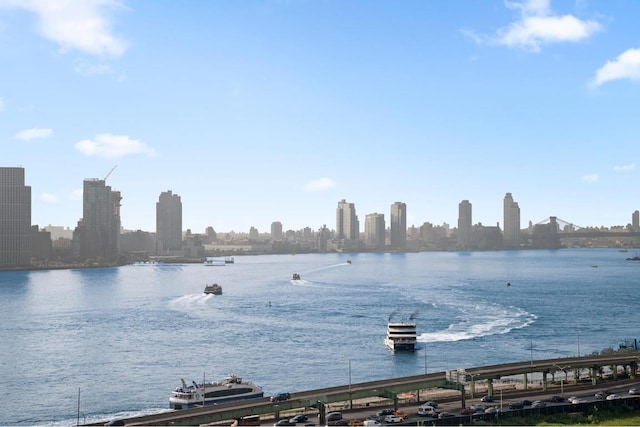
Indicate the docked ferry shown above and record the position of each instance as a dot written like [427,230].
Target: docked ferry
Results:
[401,336]
[231,388]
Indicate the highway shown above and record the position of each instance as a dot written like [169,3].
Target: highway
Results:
[421,385]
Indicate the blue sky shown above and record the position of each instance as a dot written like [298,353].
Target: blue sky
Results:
[262,111]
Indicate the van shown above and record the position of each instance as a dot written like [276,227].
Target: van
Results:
[371,423]
[427,411]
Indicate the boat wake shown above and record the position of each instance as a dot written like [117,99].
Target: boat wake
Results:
[187,301]
[474,322]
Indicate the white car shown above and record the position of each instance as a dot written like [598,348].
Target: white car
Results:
[392,419]
[614,397]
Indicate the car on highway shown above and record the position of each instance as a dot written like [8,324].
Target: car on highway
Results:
[492,410]
[334,416]
[279,397]
[487,398]
[556,399]
[340,422]
[300,418]
[385,412]
[445,414]
[634,390]
[392,419]
[427,411]
[516,404]
[614,397]
[431,403]
[468,411]
[601,395]
[538,404]
[284,422]
[478,407]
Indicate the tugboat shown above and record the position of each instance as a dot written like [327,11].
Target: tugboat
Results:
[214,289]
[296,276]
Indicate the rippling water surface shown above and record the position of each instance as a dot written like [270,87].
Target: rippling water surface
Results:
[123,337]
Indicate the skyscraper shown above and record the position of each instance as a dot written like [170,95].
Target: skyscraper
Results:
[15,218]
[511,222]
[98,232]
[464,224]
[168,222]
[347,225]
[374,231]
[398,225]
[276,230]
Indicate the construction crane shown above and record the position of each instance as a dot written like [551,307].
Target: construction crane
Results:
[107,176]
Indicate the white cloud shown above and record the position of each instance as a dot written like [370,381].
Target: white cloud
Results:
[76,194]
[590,178]
[29,134]
[625,66]
[320,185]
[625,168]
[538,26]
[86,69]
[107,145]
[75,25]
[49,198]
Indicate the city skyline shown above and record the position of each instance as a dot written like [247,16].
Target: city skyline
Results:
[255,112]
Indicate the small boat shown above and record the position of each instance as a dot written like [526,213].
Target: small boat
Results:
[231,388]
[348,261]
[210,262]
[214,289]
[229,260]
[296,276]
[401,336]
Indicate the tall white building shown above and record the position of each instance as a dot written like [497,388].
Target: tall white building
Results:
[276,230]
[374,231]
[398,237]
[169,222]
[347,225]
[464,224]
[511,222]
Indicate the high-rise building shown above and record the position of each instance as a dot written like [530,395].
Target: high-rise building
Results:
[276,230]
[464,224]
[98,232]
[15,218]
[511,222]
[398,237]
[347,225]
[635,221]
[374,231]
[168,222]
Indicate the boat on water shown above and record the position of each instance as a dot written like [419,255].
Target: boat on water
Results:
[229,260]
[210,262]
[209,393]
[214,289]
[348,261]
[635,257]
[401,336]
[295,276]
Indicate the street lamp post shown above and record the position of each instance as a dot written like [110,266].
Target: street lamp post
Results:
[350,400]
[563,369]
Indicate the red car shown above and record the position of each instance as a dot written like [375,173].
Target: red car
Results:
[467,411]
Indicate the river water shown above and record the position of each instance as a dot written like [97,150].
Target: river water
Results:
[118,340]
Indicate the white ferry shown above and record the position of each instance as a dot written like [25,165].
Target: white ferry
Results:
[401,336]
[231,388]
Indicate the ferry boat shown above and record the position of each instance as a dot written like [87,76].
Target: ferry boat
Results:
[214,289]
[401,336]
[231,388]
